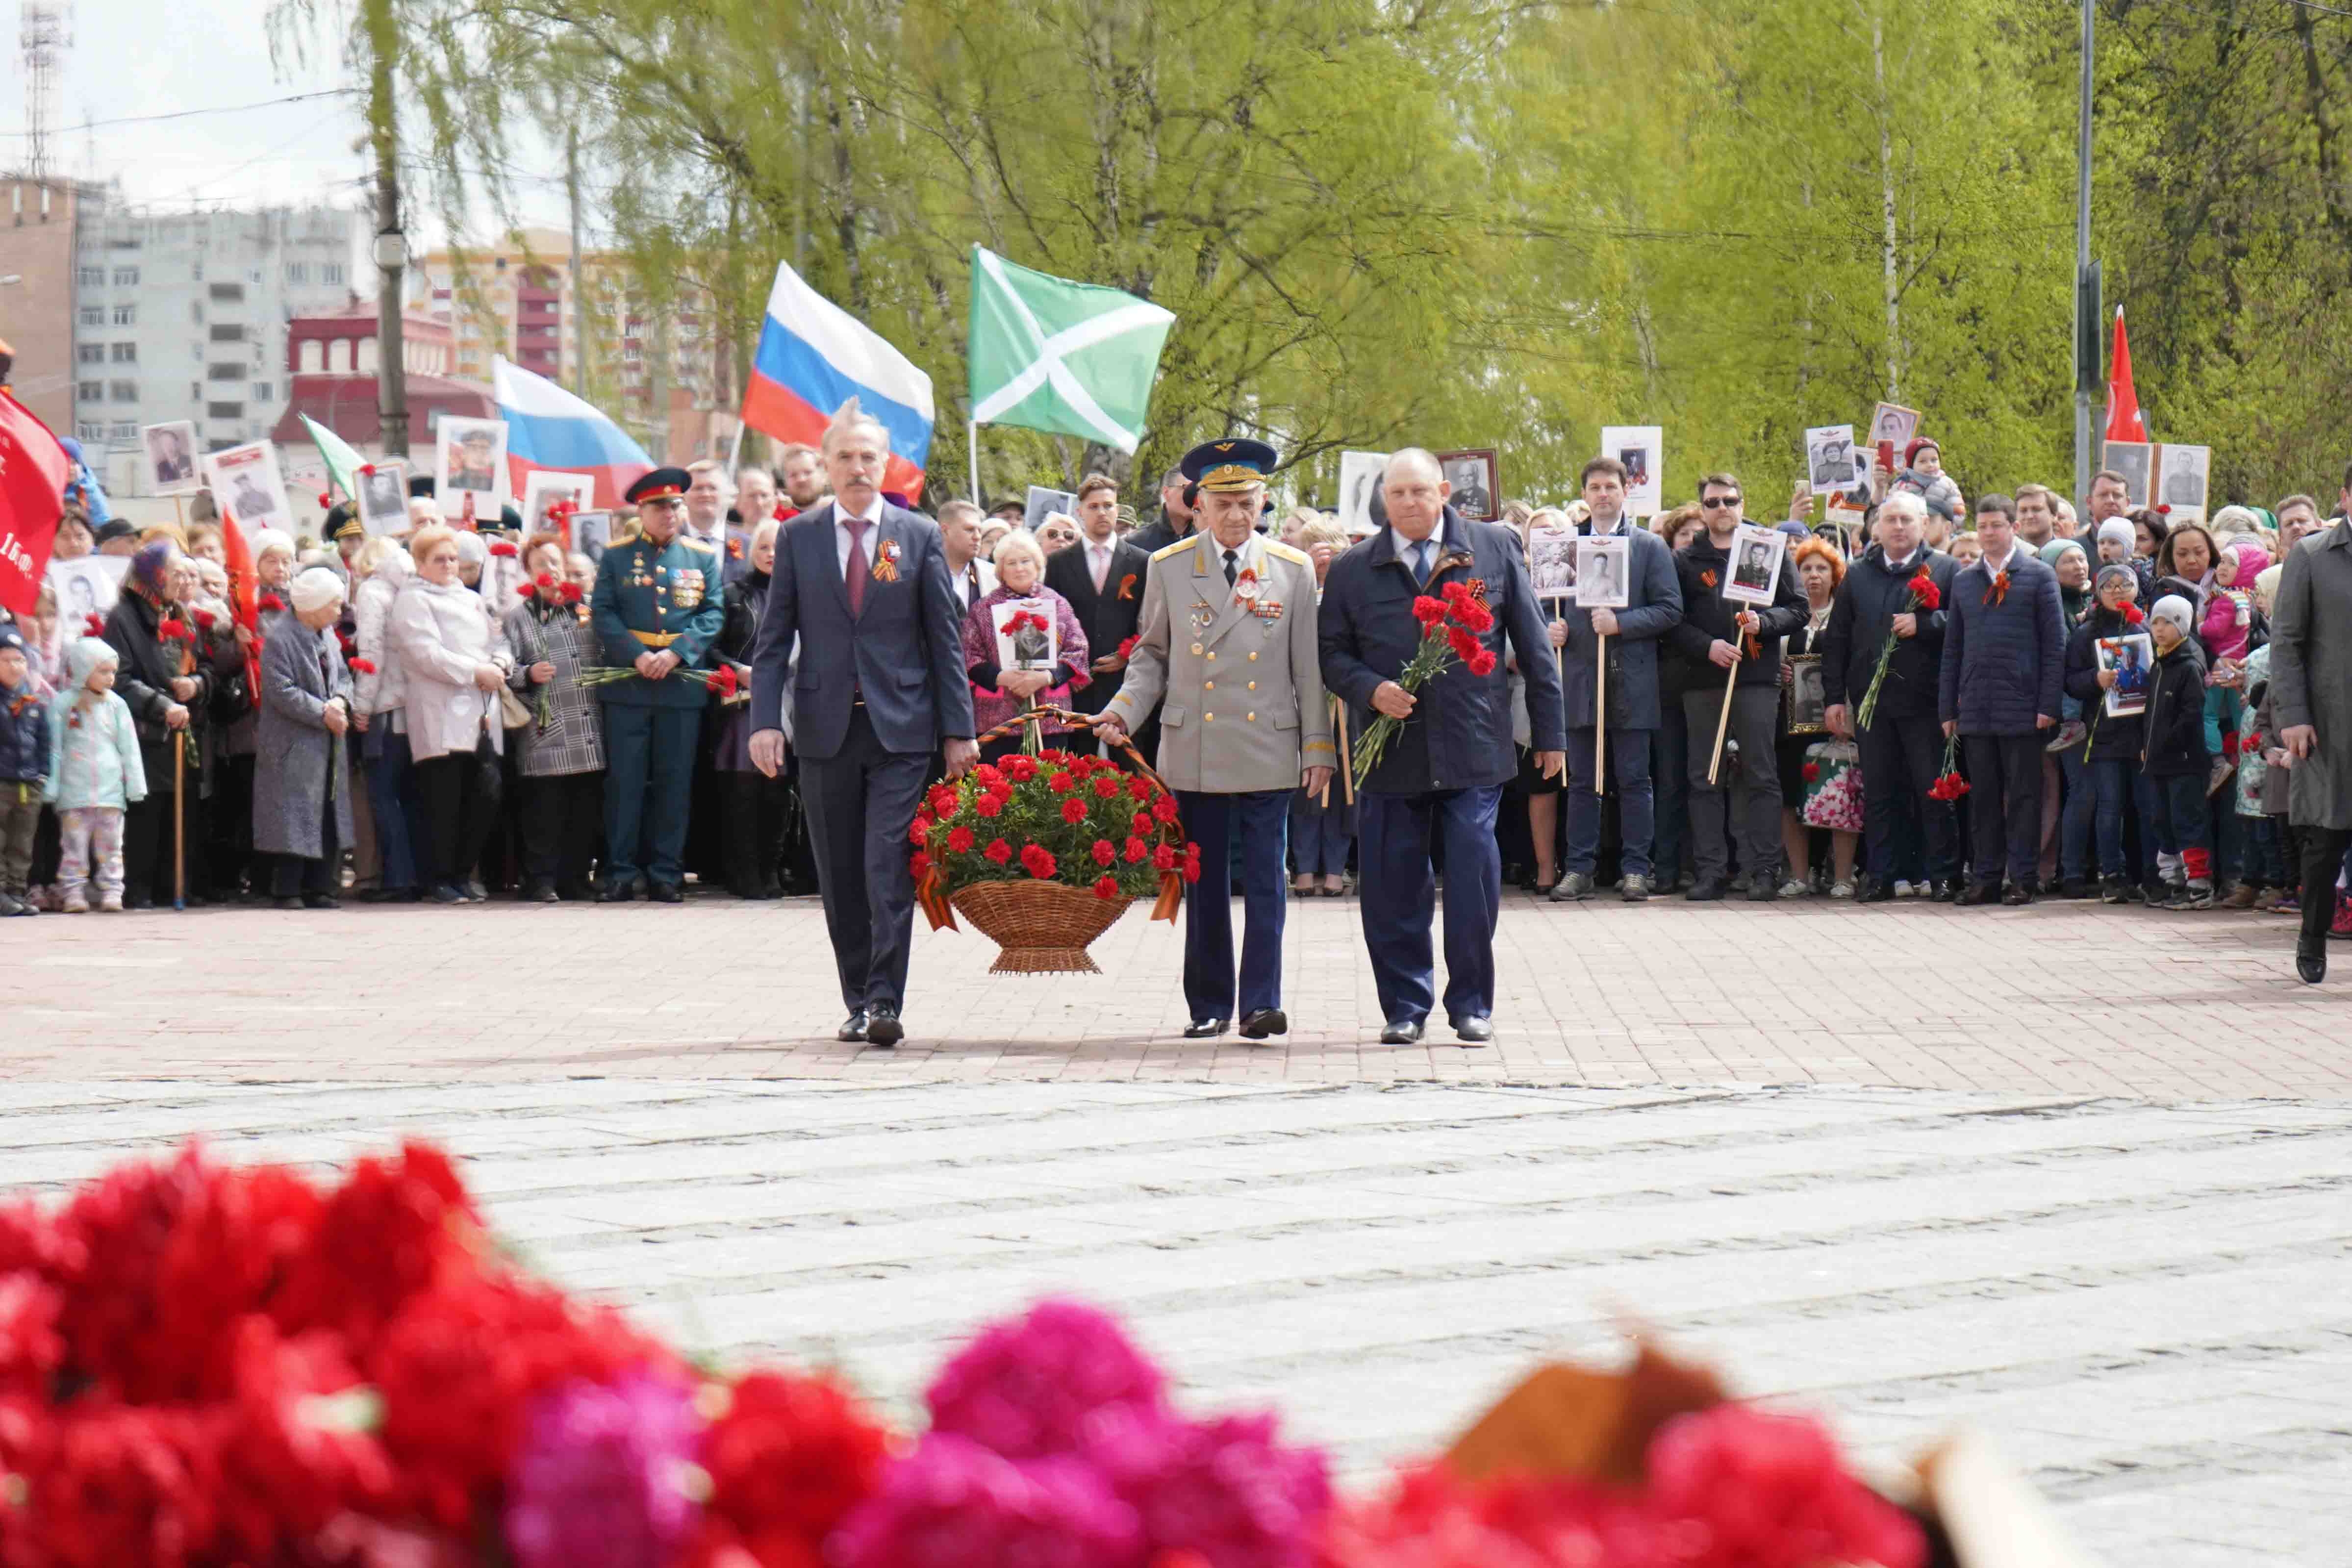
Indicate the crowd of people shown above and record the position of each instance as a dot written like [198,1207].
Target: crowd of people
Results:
[1944,700]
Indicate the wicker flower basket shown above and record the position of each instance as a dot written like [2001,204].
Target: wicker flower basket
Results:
[1039,928]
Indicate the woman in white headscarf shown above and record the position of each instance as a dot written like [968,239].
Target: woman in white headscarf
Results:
[454,664]
[302,785]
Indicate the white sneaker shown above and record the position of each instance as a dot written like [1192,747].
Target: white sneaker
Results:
[1842,890]
[1796,887]
[112,904]
[1905,890]
[76,904]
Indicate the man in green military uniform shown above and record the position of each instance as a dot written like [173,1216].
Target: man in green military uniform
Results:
[655,610]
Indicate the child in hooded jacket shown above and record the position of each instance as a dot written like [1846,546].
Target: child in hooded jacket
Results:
[95,772]
[24,763]
[2228,627]
[2176,755]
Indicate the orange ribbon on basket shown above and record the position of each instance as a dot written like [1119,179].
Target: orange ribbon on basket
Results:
[1172,896]
[930,893]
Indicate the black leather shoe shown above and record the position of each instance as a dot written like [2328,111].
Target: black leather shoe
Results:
[615,893]
[1403,1032]
[853,1028]
[1474,1031]
[1265,1021]
[2311,961]
[1204,1028]
[321,902]
[289,903]
[882,1025]
[1706,890]
[1980,893]
[668,893]
[1944,892]
[1880,893]
[2021,893]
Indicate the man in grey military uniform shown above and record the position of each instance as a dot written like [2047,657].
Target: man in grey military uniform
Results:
[1227,653]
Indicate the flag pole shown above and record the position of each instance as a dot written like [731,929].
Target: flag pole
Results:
[971,426]
[735,452]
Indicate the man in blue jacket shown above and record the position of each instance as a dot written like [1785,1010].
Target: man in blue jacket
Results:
[862,586]
[2004,658]
[1438,784]
[1654,609]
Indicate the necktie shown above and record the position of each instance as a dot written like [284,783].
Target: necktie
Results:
[1421,560]
[853,574]
[1100,553]
[1230,567]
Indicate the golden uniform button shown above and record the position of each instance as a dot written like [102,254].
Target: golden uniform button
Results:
[1253,718]
[1252,686]
[1212,658]
[1208,686]
[1208,718]
[1252,654]
[1196,650]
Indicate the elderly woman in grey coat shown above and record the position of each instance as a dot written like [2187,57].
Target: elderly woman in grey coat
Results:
[2311,697]
[562,761]
[301,787]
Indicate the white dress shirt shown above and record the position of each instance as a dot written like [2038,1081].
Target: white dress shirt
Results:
[1406,549]
[1995,568]
[841,540]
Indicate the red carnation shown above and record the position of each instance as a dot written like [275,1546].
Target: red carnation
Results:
[503,548]
[999,851]
[172,629]
[362,666]
[1191,862]
[1134,851]
[1106,786]
[918,862]
[723,681]
[1037,861]
[1924,594]
[1139,787]
[205,619]
[1482,663]
[920,830]
[1062,783]
[1104,851]
[1143,825]
[1127,648]
[944,800]
[1164,807]
[1164,857]
[93,625]
[545,579]
[2164,509]
[271,603]
[1812,772]
[789,1457]
[1074,810]
[366,469]
[1429,612]
[1022,769]
[2134,616]
[1105,888]
[960,841]
[525,589]
[326,500]
[986,804]
[1465,647]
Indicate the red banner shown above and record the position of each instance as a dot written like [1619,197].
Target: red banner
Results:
[2124,421]
[33,473]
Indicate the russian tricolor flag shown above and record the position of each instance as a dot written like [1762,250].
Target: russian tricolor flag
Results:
[815,356]
[550,430]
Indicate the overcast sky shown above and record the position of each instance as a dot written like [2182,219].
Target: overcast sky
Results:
[135,57]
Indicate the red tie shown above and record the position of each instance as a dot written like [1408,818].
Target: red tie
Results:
[855,579]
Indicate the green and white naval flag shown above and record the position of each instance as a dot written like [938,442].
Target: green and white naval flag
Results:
[1076,359]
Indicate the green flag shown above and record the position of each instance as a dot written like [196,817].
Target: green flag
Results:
[1049,354]
[344,463]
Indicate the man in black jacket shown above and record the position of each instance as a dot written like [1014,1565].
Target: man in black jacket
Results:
[1103,580]
[1902,746]
[1177,520]
[1731,635]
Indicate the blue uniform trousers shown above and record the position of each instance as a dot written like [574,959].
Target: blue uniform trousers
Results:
[1257,822]
[1395,835]
[648,790]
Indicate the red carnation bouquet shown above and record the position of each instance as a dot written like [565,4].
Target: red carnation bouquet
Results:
[1949,784]
[1053,817]
[1925,596]
[1452,628]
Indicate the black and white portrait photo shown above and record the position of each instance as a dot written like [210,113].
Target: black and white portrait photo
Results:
[1755,555]
[1551,562]
[1807,703]
[1830,458]
[1360,482]
[1642,449]
[246,483]
[1603,567]
[1894,425]
[87,587]
[591,532]
[172,458]
[2181,476]
[1477,486]
[1043,503]
[383,498]
[2134,461]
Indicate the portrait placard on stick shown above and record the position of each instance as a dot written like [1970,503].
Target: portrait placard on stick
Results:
[1892,424]
[470,459]
[1602,576]
[542,489]
[2133,461]
[383,498]
[86,586]
[1476,477]
[2132,657]
[2181,474]
[1043,503]
[1551,562]
[247,484]
[1755,554]
[1359,481]
[1831,461]
[172,457]
[1642,450]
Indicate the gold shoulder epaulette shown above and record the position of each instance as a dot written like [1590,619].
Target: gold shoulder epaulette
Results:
[1290,552]
[1165,551]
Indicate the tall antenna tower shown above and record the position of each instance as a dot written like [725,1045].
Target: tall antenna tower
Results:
[44,32]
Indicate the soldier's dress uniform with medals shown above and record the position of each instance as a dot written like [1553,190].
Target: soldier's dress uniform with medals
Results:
[1227,654]
[650,598]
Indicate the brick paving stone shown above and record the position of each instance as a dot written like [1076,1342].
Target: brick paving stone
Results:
[2061,998]
[2148,1306]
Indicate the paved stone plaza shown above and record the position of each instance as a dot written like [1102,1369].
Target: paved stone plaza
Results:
[1876,1161]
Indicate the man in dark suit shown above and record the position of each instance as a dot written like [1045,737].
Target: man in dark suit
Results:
[862,586]
[1103,580]
[1437,787]
[2002,668]
[1179,517]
